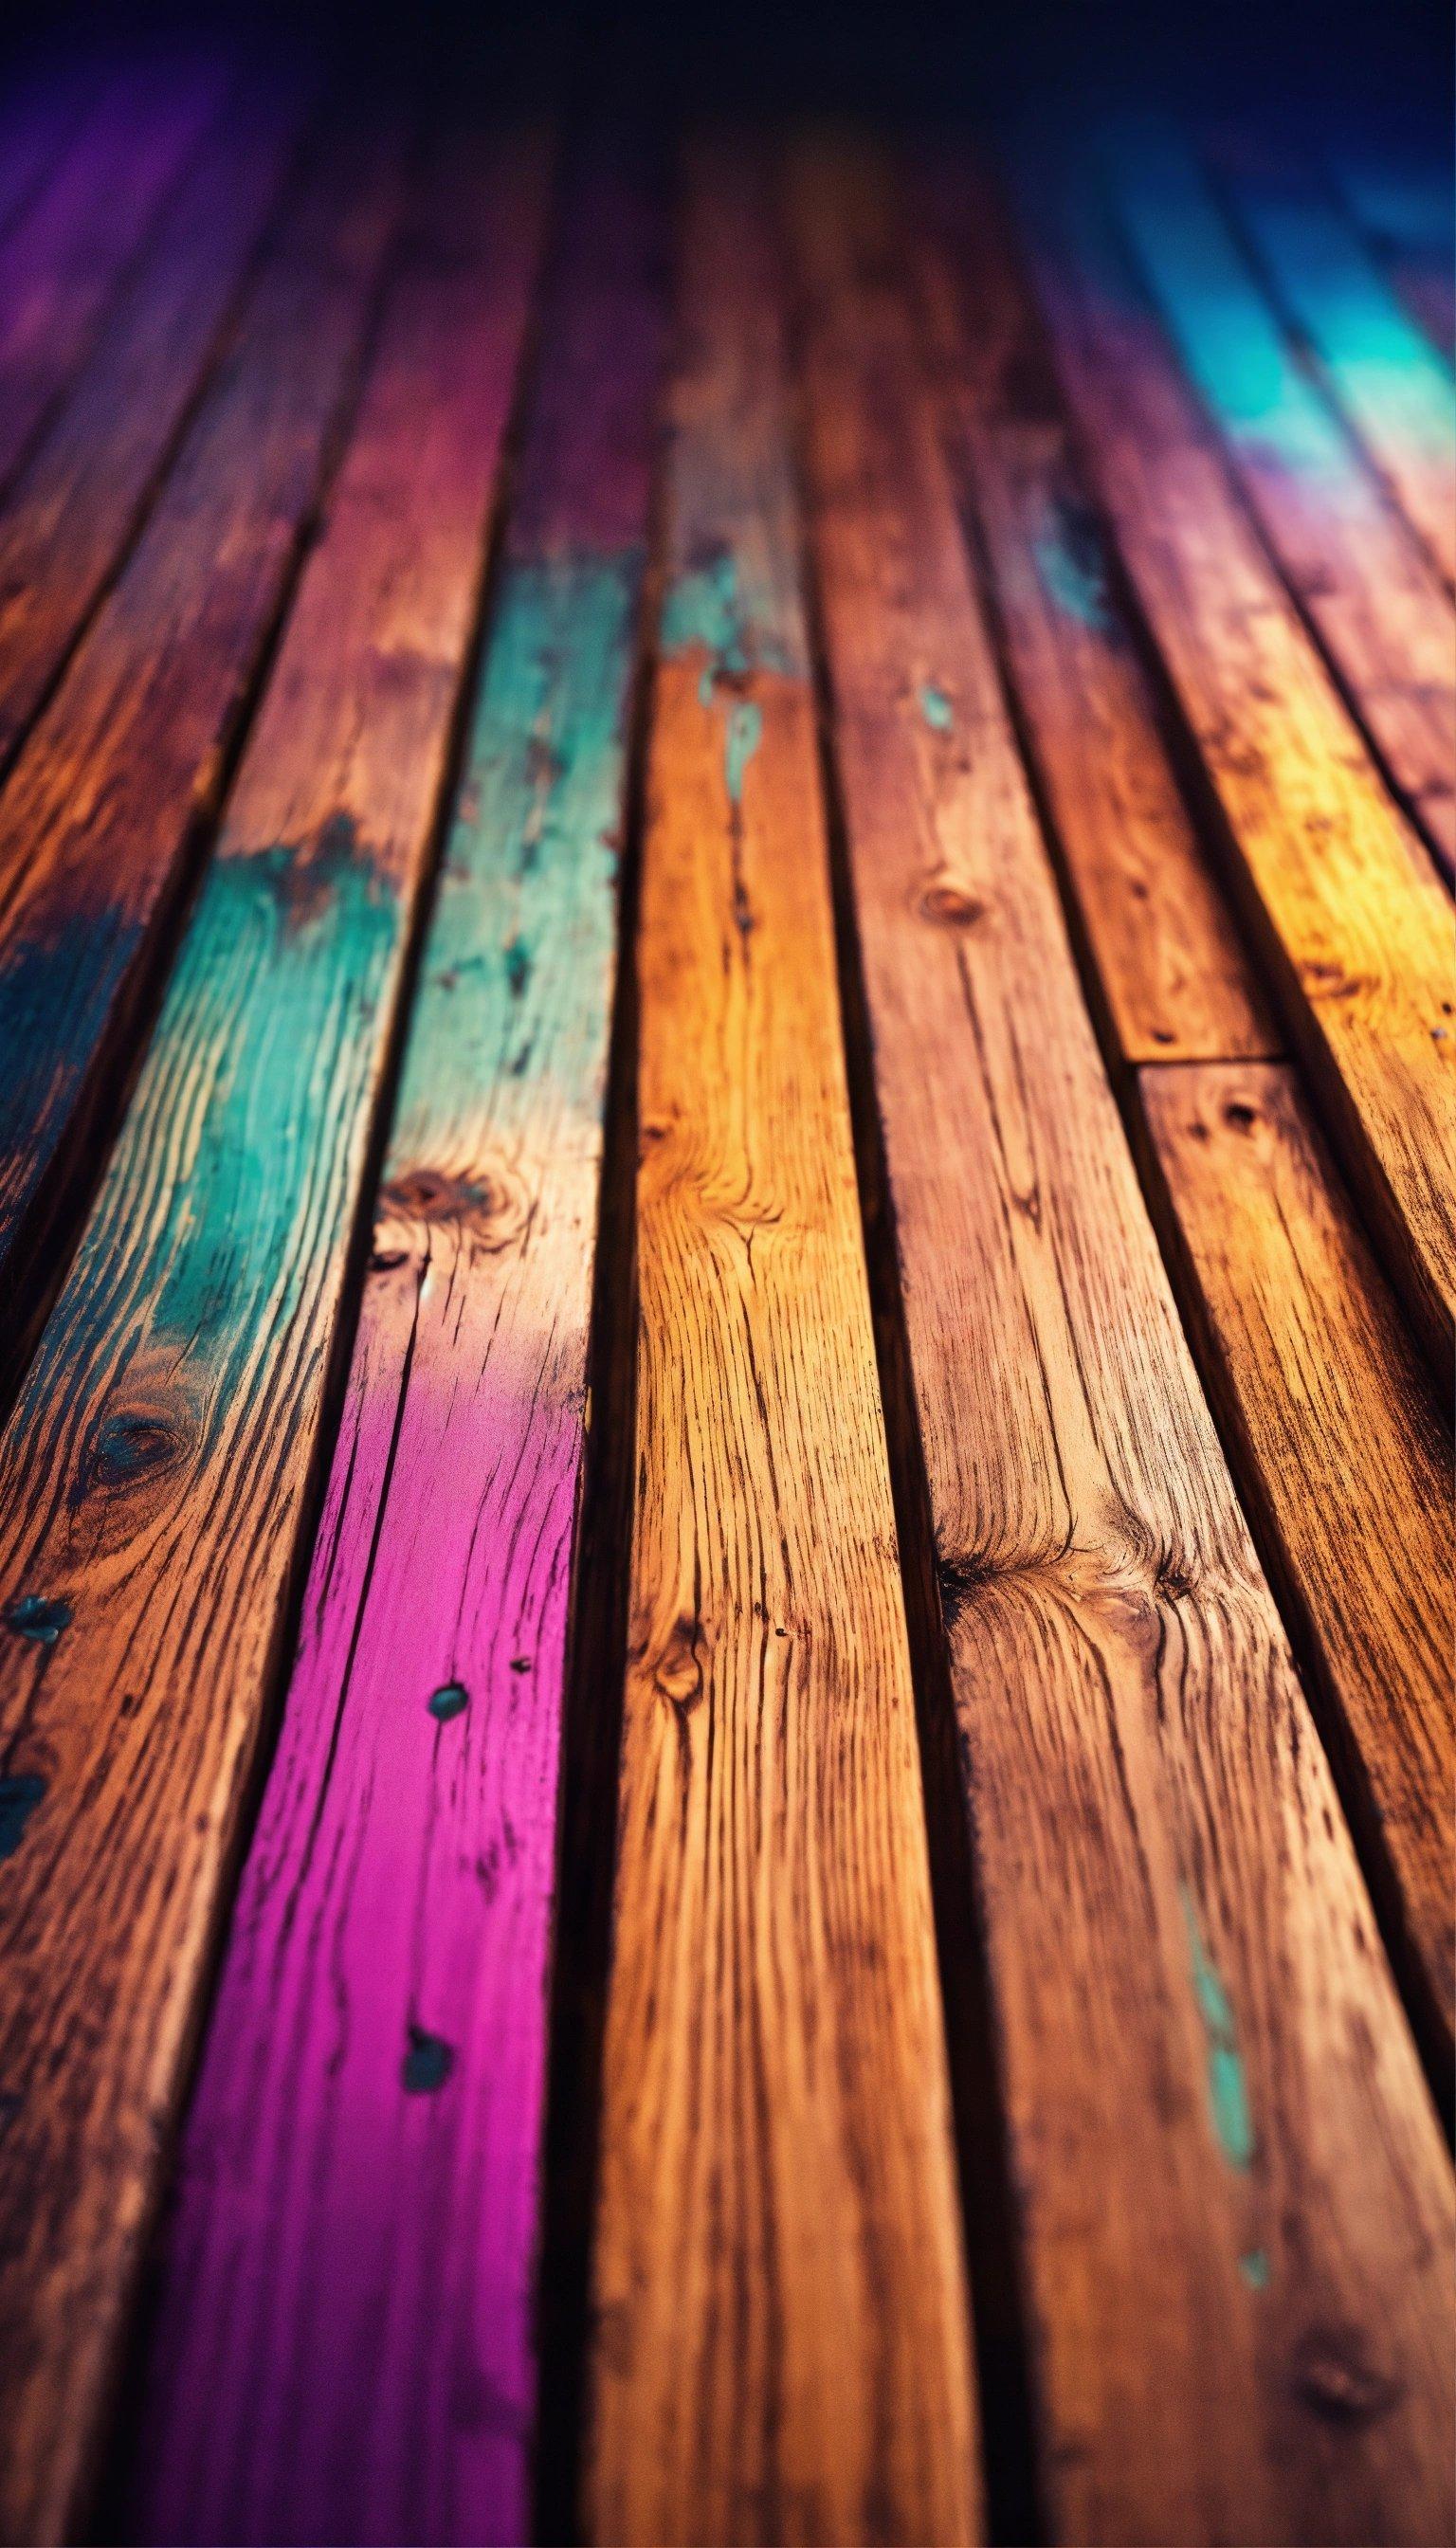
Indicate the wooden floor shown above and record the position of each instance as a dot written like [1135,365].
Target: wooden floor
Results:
[727,1020]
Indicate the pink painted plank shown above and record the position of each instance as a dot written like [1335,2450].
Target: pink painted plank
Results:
[345,2344]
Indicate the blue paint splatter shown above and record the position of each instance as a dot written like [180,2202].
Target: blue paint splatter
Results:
[42,1622]
[935,709]
[1255,2267]
[427,2063]
[18,1797]
[450,1700]
[1227,2086]
[1069,564]
[744,735]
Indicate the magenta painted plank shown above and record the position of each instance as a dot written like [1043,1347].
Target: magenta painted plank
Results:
[62,261]
[345,2341]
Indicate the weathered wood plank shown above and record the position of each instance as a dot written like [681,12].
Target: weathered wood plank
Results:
[782,2349]
[1403,203]
[72,510]
[40,117]
[103,804]
[1373,596]
[1234,2193]
[1393,389]
[152,1478]
[374,2072]
[1173,975]
[1343,1439]
[1354,929]
[60,264]
[1295,1325]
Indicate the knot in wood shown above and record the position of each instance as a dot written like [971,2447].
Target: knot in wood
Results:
[1335,2378]
[950,905]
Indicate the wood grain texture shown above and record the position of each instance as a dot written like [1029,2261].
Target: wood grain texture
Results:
[1232,2190]
[375,2066]
[1172,971]
[105,801]
[1349,1462]
[153,1480]
[781,2343]
[1354,929]
[71,512]
[1394,392]
[63,260]
[39,118]
[1371,594]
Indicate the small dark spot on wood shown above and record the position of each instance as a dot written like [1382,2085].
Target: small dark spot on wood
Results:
[40,1620]
[1334,2377]
[18,1797]
[959,1580]
[449,1700]
[1164,1035]
[518,967]
[679,1674]
[1240,1115]
[521,1662]
[427,2063]
[388,1260]
[950,906]
[1172,1578]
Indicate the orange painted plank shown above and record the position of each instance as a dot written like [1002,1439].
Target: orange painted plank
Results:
[781,2343]
[1173,973]
[1234,2197]
[1352,926]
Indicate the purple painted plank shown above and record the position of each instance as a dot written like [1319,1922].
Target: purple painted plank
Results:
[345,2344]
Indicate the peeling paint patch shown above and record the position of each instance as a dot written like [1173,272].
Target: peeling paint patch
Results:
[18,1797]
[449,1700]
[744,735]
[40,1620]
[428,2062]
[935,709]
[1226,2085]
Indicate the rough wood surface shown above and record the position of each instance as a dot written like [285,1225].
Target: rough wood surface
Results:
[1394,392]
[375,2064]
[1350,1464]
[68,518]
[153,1480]
[1173,975]
[781,2343]
[1372,595]
[1234,2196]
[1353,926]
[63,260]
[104,802]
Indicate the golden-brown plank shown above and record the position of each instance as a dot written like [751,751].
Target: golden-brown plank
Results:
[1343,1443]
[1172,971]
[1234,2200]
[1354,927]
[781,2318]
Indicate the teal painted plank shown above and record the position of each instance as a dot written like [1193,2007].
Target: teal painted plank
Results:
[154,1478]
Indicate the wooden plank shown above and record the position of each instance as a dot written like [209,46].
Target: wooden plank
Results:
[1396,394]
[782,2349]
[153,1480]
[104,802]
[1354,930]
[73,511]
[39,118]
[1344,1440]
[1172,972]
[1372,596]
[62,261]
[296,2395]
[1232,2189]
[1403,202]
[1294,1325]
